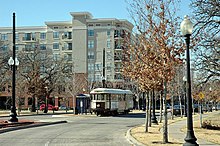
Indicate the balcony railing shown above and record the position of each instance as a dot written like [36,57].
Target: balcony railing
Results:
[29,39]
[117,69]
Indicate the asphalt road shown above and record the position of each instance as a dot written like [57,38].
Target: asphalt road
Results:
[78,131]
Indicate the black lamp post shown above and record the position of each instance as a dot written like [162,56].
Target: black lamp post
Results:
[184,92]
[186,29]
[13,62]
[103,69]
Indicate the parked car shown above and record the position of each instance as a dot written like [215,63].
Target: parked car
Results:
[63,107]
[196,107]
[177,110]
[50,107]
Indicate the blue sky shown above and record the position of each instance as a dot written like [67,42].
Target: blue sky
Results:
[36,12]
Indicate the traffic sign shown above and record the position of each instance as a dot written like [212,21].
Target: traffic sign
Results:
[201,95]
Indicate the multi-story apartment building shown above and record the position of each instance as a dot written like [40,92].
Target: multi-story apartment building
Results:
[81,41]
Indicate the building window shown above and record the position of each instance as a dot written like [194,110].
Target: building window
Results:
[68,57]
[4,48]
[91,77]
[108,32]
[43,46]
[109,56]
[91,55]
[118,56]
[29,37]
[4,37]
[97,77]
[91,67]
[98,67]
[108,43]
[109,66]
[108,77]
[67,46]
[16,36]
[56,35]
[28,47]
[90,44]
[56,57]
[55,45]
[42,35]
[70,46]
[118,76]
[67,35]
[90,32]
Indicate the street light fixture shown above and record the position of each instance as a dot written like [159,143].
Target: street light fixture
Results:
[186,28]
[13,62]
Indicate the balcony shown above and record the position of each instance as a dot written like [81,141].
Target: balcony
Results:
[117,58]
[29,39]
[67,47]
[67,36]
[118,47]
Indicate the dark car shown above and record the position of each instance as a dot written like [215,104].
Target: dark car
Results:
[50,107]
[177,110]
[196,107]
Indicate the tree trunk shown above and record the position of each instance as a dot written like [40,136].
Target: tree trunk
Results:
[153,118]
[147,112]
[172,104]
[180,103]
[33,109]
[150,105]
[161,107]
[165,128]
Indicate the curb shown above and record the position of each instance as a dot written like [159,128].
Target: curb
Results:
[31,126]
[132,140]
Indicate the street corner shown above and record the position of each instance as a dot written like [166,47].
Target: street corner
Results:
[131,139]
[23,124]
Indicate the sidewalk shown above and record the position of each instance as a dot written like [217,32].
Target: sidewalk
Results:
[174,132]
[5,113]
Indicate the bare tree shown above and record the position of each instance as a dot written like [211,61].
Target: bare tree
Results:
[207,31]
[155,50]
[39,69]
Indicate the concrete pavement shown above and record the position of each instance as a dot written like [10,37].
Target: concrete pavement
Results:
[174,131]
[23,125]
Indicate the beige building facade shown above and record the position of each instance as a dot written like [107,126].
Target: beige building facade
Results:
[81,40]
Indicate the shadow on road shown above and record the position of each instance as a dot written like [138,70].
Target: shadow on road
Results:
[132,115]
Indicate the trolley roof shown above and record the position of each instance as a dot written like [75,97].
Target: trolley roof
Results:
[110,91]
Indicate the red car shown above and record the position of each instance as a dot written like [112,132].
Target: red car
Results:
[50,107]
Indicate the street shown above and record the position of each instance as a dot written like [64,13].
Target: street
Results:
[79,130]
